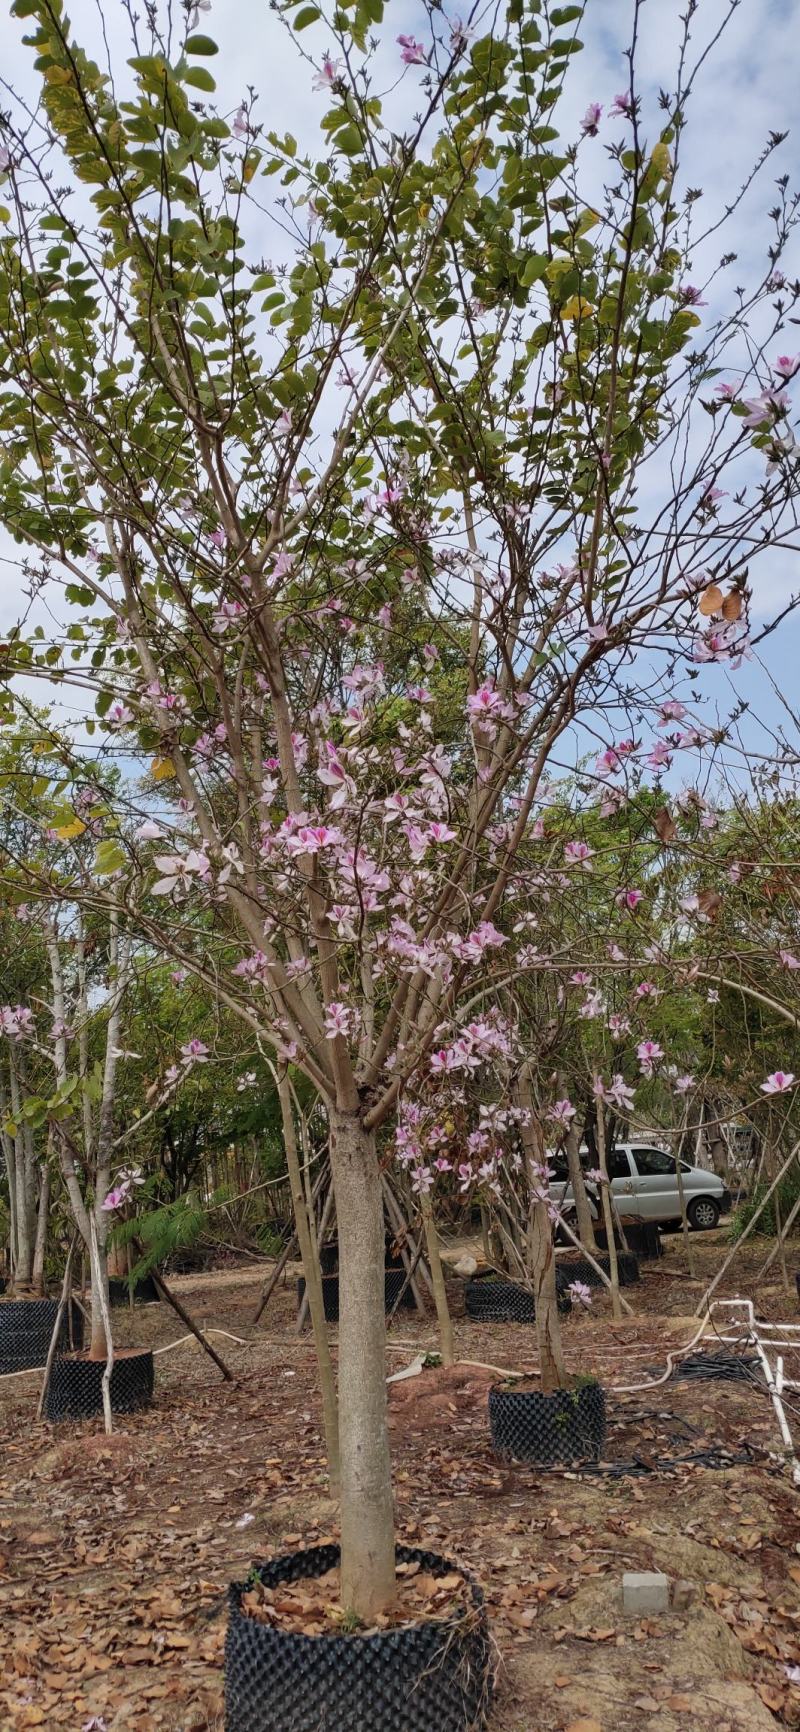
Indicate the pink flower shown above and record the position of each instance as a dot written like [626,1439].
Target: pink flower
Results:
[441,833]
[690,296]
[578,854]
[330,71]
[115,1199]
[591,120]
[648,1052]
[778,1083]
[788,959]
[240,126]
[629,898]
[562,1113]
[149,831]
[339,1020]
[620,1092]
[581,1294]
[726,393]
[580,978]
[413,53]
[671,711]
[622,105]
[683,1084]
[787,366]
[598,632]
[195,1052]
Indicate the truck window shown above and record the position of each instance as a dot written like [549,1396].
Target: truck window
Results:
[653,1163]
[617,1162]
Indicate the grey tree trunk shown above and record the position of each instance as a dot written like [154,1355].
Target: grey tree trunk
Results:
[582,1211]
[608,1215]
[540,1257]
[40,1248]
[367,1513]
[443,1317]
[310,1260]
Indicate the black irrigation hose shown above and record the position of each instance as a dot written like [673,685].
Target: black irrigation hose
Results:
[637,1468]
[720,1367]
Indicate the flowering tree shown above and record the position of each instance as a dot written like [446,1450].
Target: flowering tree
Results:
[359,539]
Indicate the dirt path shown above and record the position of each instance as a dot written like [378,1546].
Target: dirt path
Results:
[115,1554]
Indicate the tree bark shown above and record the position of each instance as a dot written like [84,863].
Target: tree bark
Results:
[443,1317]
[582,1211]
[310,1259]
[608,1215]
[40,1247]
[367,1515]
[540,1259]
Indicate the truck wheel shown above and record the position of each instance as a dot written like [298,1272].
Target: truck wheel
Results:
[703,1213]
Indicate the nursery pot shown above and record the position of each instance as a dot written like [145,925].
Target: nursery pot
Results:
[494,1301]
[644,1239]
[581,1269]
[393,1281]
[144,1293]
[433,1676]
[569,1425]
[74,1387]
[26,1328]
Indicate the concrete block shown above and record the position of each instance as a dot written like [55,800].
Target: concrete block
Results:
[645,1593]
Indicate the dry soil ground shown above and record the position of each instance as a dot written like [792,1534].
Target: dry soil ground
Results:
[115,1553]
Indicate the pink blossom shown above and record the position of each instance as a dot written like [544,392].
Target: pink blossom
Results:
[413,53]
[562,1113]
[598,632]
[622,105]
[339,1019]
[580,978]
[580,1293]
[683,1084]
[240,126]
[647,989]
[726,393]
[690,296]
[591,120]
[385,615]
[195,1052]
[788,959]
[578,854]
[115,1198]
[671,711]
[441,833]
[620,1092]
[787,366]
[330,71]
[149,831]
[629,898]
[648,1053]
[778,1082]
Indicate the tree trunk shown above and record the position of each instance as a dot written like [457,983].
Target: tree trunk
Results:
[437,1281]
[40,1248]
[540,1259]
[367,1515]
[542,1268]
[608,1215]
[98,1271]
[582,1211]
[307,1240]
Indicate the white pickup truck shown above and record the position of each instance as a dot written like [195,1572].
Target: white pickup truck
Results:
[645,1186]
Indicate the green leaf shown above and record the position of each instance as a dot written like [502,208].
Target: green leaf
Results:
[110,857]
[307,15]
[200,77]
[200,45]
[349,140]
[535,268]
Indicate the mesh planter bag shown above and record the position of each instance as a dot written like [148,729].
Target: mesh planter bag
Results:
[26,1327]
[569,1425]
[644,1239]
[429,1677]
[74,1387]
[392,1285]
[329,1257]
[144,1293]
[496,1301]
[581,1269]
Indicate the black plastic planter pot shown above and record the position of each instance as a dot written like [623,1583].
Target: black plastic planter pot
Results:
[581,1270]
[644,1239]
[393,1283]
[428,1677]
[144,1293]
[329,1257]
[496,1301]
[569,1425]
[74,1387]
[26,1328]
